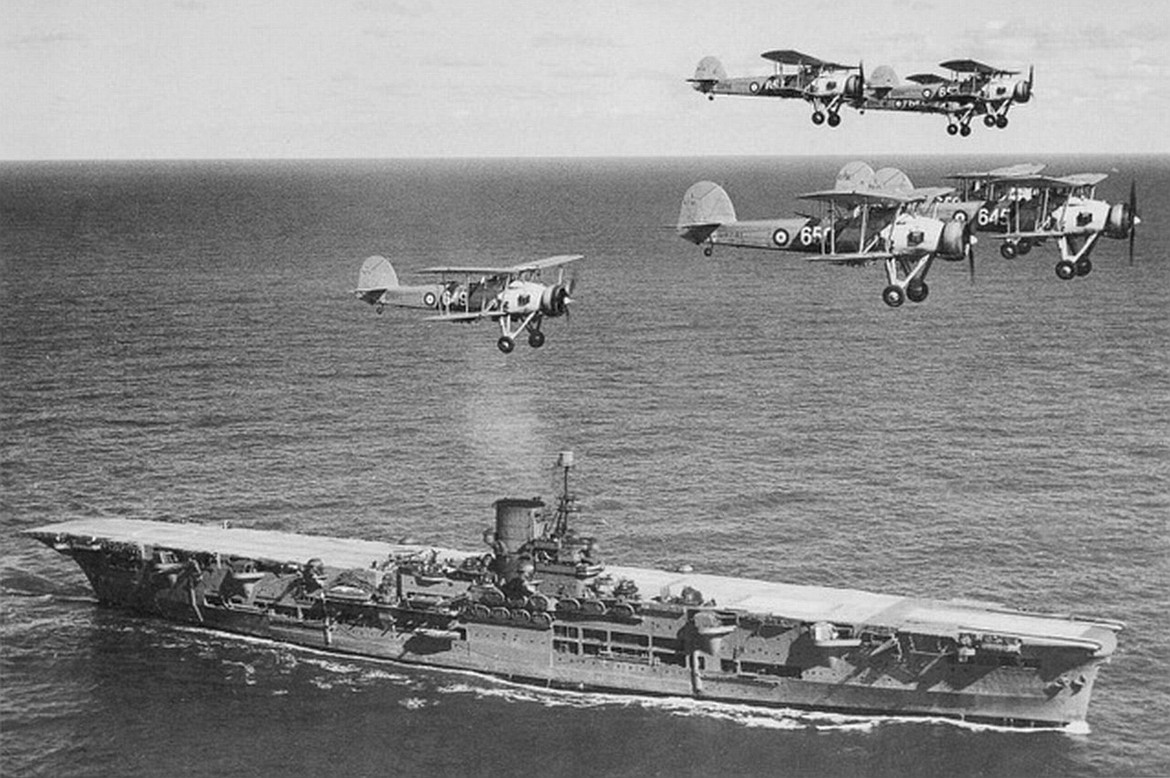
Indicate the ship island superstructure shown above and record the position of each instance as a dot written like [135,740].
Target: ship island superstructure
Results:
[540,607]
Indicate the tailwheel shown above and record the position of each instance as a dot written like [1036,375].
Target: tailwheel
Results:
[379,308]
[1083,266]
[834,119]
[1065,270]
[708,250]
[818,118]
[1001,121]
[536,339]
[952,129]
[988,121]
[506,344]
[916,293]
[893,296]
[1008,250]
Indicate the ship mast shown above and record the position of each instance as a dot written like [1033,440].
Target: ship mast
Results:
[566,504]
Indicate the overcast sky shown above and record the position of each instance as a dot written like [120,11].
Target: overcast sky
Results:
[136,79]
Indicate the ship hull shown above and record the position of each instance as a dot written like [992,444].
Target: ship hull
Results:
[659,647]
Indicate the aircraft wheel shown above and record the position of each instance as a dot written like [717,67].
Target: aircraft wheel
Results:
[893,296]
[1024,247]
[536,339]
[965,130]
[708,250]
[378,310]
[818,118]
[834,119]
[711,98]
[952,129]
[916,293]
[988,121]
[1008,250]
[1083,267]
[506,344]
[1001,121]
[1065,270]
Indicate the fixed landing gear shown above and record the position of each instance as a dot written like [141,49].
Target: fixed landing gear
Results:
[989,120]
[536,338]
[1008,250]
[952,129]
[379,308]
[708,251]
[506,344]
[1001,121]
[893,296]
[818,118]
[1024,247]
[834,119]
[965,130]
[916,293]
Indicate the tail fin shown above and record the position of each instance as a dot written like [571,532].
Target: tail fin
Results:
[375,278]
[853,177]
[890,179]
[883,77]
[710,69]
[705,207]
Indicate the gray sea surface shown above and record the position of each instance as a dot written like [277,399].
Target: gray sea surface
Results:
[178,341]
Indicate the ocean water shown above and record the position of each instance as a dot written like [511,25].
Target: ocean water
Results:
[179,342]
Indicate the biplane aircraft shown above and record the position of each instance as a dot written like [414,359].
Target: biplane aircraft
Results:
[512,297]
[1066,209]
[827,86]
[973,89]
[860,224]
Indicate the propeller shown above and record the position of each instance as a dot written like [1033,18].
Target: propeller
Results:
[1134,219]
[969,249]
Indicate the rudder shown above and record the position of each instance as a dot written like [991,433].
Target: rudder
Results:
[377,274]
[705,207]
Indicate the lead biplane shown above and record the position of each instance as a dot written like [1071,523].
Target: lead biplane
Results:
[1067,209]
[860,224]
[827,86]
[512,297]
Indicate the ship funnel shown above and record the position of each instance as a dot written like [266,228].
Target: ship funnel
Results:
[516,522]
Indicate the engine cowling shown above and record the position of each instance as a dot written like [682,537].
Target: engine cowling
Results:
[854,87]
[952,241]
[1022,92]
[555,300]
[1119,221]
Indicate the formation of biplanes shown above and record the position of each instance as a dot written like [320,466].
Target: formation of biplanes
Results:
[969,89]
[867,217]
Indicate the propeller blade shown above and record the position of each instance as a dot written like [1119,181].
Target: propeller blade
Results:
[1133,217]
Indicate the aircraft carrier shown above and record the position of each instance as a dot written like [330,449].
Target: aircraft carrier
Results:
[539,607]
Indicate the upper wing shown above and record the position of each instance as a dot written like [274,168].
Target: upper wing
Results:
[539,264]
[852,198]
[1009,171]
[971,66]
[927,78]
[790,57]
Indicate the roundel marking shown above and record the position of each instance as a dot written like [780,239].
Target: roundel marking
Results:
[960,216]
[780,237]
[754,87]
[897,103]
[926,93]
[429,299]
